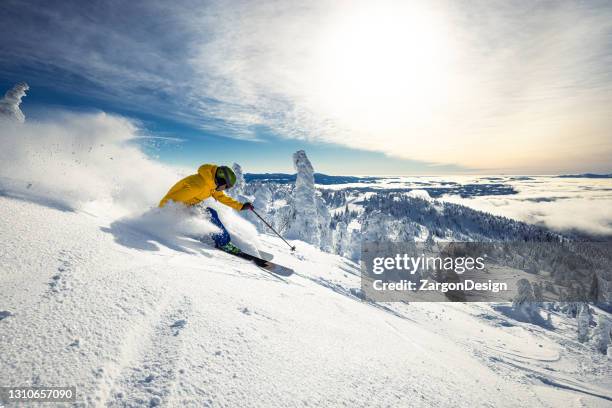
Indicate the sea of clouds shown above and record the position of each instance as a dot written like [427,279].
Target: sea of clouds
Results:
[576,205]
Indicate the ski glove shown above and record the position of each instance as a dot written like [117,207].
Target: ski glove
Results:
[247,206]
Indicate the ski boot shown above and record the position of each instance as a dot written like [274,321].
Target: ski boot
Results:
[230,248]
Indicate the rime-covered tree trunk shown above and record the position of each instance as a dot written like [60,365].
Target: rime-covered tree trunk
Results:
[354,248]
[305,222]
[324,219]
[602,334]
[238,188]
[263,198]
[583,319]
[9,105]
[524,302]
[341,238]
[262,203]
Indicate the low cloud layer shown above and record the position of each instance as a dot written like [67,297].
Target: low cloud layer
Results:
[580,205]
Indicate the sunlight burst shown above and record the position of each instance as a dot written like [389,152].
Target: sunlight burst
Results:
[382,66]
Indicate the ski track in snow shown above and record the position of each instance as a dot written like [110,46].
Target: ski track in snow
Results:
[148,369]
[155,327]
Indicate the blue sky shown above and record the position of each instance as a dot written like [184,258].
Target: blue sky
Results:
[389,87]
[188,146]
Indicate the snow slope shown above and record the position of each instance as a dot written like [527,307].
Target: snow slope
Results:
[131,322]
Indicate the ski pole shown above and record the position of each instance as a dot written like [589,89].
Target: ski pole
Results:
[269,226]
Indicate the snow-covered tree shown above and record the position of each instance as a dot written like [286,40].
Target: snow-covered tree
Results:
[282,218]
[538,293]
[549,319]
[262,201]
[583,320]
[238,188]
[523,302]
[9,105]
[571,309]
[354,248]
[324,220]
[602,334]
[305,224]
[263,198]
[341,239]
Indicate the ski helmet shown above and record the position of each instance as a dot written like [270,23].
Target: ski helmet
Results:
[226,176]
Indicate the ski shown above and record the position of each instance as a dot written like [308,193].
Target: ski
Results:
[262,263]
[265,255]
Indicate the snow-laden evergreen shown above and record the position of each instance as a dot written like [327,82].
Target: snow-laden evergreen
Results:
[340,239]
[324,220]
[238,188]
[304,224]
[523,302]
[583,321]
[9,104]
[602,334]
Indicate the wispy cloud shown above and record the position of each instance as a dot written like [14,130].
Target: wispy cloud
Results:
[505,86]
[162,138]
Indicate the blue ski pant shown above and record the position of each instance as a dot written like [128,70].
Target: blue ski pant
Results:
[223,237]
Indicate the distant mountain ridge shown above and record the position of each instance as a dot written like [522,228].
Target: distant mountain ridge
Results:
[586,175]
[466,190]
[320,178]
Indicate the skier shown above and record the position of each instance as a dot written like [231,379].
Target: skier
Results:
[210,181]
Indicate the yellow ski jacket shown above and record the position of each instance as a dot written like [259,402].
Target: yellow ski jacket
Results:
[198,187]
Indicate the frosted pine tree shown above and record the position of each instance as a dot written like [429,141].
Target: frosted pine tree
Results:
[583,320]
[602,334]
[341,239]
[353,251]
[324,219]
[282,218]
[263,198]
[239,187]
[524,302]
[305,221]
[375,227]
[9,105]
[262,202]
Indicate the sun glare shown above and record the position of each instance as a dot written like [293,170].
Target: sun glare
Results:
[381,66]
